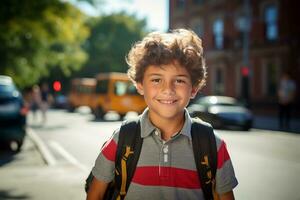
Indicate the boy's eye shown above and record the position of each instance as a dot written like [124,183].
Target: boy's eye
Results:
[155,80]
[180,81]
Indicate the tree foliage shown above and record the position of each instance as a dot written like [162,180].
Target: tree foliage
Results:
[110,40]
[39,35]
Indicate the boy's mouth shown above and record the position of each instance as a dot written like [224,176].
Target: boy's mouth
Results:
[166,101]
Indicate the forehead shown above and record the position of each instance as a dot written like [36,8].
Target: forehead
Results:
[172,69]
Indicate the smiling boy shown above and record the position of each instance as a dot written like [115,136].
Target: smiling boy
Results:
[168,70]
[167,90]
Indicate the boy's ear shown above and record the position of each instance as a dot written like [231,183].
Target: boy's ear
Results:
[140,88]
[194,92]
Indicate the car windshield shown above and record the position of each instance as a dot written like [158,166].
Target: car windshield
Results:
[214,100]
[5,88]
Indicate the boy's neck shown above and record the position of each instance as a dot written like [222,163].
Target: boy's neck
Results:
[168,127]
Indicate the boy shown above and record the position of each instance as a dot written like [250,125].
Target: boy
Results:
[168,70]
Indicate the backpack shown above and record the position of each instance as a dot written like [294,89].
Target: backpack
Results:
[129,148]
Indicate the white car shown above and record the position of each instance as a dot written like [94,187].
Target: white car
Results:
[221,112]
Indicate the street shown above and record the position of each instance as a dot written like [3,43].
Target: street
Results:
[57,157]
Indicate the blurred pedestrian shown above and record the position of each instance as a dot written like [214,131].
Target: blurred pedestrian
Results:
[36,100]
[286,96]
[45,97]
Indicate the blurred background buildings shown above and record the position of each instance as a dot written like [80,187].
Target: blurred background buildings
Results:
[248,44]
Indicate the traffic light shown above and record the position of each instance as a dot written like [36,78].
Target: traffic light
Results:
[56,86]
[245,71]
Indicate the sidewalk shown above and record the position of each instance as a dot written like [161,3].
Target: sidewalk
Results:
[26,176]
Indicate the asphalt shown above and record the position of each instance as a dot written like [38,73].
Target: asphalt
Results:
[33,174]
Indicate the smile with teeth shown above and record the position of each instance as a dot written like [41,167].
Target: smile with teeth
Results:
[167,101]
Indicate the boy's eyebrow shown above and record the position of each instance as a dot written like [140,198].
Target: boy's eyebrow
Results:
[183,75]
[179,75]
[155,74]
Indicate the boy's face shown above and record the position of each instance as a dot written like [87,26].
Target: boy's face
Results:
[167,90]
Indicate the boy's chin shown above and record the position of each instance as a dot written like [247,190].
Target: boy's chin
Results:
[167,115]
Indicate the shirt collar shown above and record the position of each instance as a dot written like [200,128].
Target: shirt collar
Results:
[147,127]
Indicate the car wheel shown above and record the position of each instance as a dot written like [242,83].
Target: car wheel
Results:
[246,128]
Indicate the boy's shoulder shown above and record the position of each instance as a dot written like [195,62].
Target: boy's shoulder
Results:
[200,121]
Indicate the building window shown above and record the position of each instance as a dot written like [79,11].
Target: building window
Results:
[218,32]
[180,4]
[197,27]
[271,19]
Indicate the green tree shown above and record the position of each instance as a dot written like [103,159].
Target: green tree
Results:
[39,35]
[111,38]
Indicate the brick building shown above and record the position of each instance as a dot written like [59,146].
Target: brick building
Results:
[274,44]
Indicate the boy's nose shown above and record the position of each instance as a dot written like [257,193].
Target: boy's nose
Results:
[168,88]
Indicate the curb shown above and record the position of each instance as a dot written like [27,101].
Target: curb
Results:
[41,147]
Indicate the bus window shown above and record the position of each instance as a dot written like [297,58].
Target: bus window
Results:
[120,88]
[102,87]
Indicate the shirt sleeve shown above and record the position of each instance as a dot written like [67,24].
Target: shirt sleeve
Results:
[225,176]
[104,167]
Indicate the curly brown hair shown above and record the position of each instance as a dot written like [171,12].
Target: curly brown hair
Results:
[180,45]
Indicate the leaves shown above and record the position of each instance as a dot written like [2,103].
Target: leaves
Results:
[111,38]
[36,36]
[41,38]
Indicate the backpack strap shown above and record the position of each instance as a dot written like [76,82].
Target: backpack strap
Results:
[127,155]
[205,153]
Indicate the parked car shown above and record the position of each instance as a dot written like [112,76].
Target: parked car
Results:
[12,114]
[60,101]
[221,112]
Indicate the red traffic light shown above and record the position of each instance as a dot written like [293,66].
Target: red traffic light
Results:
[245,71]
[57,86]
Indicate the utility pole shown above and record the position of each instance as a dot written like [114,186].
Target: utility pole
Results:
[246,69]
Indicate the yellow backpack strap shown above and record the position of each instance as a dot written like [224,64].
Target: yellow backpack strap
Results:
[128,152]
[127,156]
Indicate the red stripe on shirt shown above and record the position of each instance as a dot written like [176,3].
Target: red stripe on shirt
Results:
[166,176]
[109,150]
[223,155]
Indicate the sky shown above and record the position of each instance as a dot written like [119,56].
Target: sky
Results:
[156,12]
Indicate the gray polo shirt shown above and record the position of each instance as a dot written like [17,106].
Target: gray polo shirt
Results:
[166,169]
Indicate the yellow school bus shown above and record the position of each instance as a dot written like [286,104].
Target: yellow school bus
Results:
[81,92]
[115,92]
